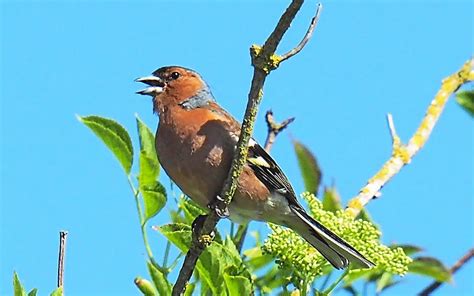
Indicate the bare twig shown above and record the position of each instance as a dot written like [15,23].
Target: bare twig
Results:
[273,130]
[393,131]
[62,255]
[402,154]
[264,61]
[460,263]
[306,37]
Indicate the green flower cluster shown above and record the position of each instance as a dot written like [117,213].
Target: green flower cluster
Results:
[294,253]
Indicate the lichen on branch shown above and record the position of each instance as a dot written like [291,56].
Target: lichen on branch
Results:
[402,154]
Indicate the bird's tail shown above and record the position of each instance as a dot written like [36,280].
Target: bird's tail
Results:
[333,248]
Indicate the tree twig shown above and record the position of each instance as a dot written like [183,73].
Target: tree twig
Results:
[402,154]
[264,61]
[393,131]
[306,37]
[460,263]
[62,256]
[273,129]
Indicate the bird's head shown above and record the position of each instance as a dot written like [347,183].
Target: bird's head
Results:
[175,86]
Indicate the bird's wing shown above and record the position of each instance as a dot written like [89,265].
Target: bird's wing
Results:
[265,168]
[269,173]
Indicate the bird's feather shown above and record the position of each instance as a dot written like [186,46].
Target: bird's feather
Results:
[332,247]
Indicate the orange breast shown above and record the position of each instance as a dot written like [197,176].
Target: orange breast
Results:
[195,149]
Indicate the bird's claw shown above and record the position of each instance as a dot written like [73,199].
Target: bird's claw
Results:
[219,207]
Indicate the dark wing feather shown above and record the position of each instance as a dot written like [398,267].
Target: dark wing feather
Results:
[269,173]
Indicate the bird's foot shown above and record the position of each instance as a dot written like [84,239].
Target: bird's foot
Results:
[218,205]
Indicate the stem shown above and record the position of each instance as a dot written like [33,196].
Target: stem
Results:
[240,236]
[333,286]
[304,288]
[460,263]
[232,226]
[62,255]
[136,194]
[167,254]
[326,281]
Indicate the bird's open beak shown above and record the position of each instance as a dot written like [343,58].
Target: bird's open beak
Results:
[156,85]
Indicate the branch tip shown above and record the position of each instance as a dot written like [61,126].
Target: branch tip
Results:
[391,127]
[307,36]
[61,258]
[274,128]
[403,153]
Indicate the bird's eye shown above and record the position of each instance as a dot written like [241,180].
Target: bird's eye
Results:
[174,75]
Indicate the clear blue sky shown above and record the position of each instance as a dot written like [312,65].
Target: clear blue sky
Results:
[59,59]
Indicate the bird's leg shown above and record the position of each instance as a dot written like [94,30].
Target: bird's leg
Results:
[218,205]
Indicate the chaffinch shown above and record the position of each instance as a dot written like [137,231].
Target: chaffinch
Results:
[195,141]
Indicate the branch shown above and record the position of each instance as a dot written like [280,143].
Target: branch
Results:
[264,61]
[273,129]
[435,285]
[62,255]
[306,37]
[403,154]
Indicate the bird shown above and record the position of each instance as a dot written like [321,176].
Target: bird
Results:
[195,143]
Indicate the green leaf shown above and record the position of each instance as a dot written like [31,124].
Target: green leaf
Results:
[356,274]
[154,194]
[231,250]
[255,259]
[213,260]
[236,284]
[308,166]
[189,289]
[273,278]
[408,249]
[176,217]
[430,267]
[149,165]
[177,233]
[331,199]
[385,281]
[18,289]
[154,199]
[205,291]
[466,100]
[364,215]
[162,284]
[146,287]
[33,292]
[149,170]
[147,139]
[57,292]
[348,289]
[190,209]
[114,136]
